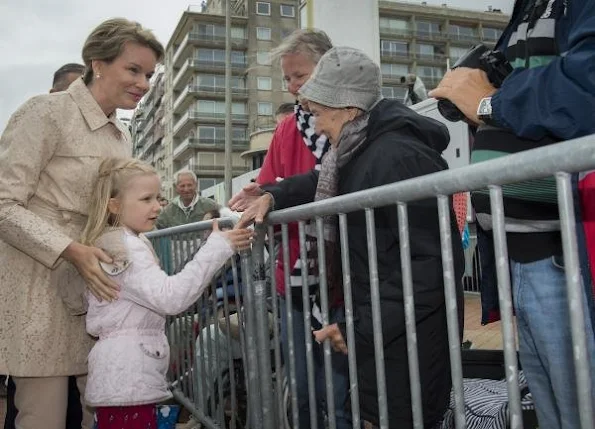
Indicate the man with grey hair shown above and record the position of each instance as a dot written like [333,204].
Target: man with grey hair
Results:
[296,148]
[188,206]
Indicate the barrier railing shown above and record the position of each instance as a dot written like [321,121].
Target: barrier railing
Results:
[270,397]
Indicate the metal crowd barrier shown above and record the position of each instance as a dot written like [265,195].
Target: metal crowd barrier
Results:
[271,399]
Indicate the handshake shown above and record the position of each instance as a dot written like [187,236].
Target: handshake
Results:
[253,202]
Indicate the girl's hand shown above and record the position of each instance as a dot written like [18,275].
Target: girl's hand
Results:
[240,238]
[86,260]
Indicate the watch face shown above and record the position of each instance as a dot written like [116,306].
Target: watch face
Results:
[485,107]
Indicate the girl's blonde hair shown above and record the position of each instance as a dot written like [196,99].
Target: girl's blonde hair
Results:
[114,175]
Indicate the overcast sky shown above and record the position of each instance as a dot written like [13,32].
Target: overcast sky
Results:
[38,37]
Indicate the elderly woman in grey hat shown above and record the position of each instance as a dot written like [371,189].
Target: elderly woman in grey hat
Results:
[375,142]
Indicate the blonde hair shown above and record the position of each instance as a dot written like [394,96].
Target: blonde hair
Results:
[312,43]
[114,175]
[107,40]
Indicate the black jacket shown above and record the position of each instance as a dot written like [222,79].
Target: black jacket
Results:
[400,145]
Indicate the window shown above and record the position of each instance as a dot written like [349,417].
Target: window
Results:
[218,55]
[430,72]
[263,58]
[427,29]
[263,33]
[456,53]
[206,183]
[264,83]
[210,31]
[430,51]
[239,135]
[218,81]
[425,50]
[218,107]
[394,48]
[238,57]
[284,85]
[238,33]
[263,8]
[287,10]
[208,135]
[461,32]
[212,135]
[265,109]
[391,25]
[394,70]
[205,159]
[491,34]
[396,93]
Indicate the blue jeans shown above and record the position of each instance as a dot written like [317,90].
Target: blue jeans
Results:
[340,370]
[545,345]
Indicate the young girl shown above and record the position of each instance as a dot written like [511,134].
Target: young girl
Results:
[128,364]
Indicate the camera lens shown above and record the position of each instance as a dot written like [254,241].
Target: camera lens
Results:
[449,110]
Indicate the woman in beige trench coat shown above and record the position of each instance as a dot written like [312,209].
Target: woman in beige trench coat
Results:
[49,155]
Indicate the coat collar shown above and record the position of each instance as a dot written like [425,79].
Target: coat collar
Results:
[94,116]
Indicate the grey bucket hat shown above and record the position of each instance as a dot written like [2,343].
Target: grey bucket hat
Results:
[344,77]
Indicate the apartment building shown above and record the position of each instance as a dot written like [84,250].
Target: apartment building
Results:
[181,122]
[424,40]
[191,93]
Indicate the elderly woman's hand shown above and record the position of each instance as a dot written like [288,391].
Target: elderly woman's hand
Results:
[465,87]
[333,333]
[256,211]
[240,201]
[86,260]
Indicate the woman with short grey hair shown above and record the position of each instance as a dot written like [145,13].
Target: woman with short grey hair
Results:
[376,142]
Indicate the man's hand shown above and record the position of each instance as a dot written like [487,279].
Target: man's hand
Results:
[240,201]
[86,260]
[256,211]
[465,87]
[332,333]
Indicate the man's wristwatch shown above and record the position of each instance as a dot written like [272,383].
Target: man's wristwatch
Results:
[484,110]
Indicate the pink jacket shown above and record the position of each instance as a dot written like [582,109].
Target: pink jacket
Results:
[128,365]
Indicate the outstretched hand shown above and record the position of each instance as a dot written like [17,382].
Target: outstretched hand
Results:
[256,212]
[332,333]
[86,261]
[250,193]
[240,238]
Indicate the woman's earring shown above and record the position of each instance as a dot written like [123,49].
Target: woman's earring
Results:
[98,75]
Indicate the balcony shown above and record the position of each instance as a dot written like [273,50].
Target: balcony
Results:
[190,117]
[206,40]
[437,36]
[192,64]
[216,40]
[396,32]
[216,145]
[430,82]
[186,97]
[392,78]
[431,58]
[399,56]
[215,170]
[464,39]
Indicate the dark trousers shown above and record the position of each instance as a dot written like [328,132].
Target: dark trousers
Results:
[74,415]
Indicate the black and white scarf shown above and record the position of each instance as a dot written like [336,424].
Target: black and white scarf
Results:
[319,145]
